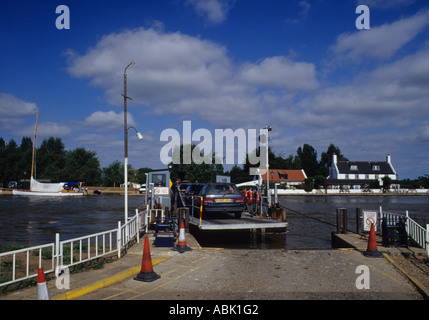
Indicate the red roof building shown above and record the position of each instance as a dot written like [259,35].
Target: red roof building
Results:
[288,177]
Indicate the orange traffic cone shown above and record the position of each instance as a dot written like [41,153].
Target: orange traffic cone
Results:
[42,288]
[371,250]
[146,272]
[181,244]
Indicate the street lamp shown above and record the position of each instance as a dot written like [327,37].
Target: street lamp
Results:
[139,136]
[268,128]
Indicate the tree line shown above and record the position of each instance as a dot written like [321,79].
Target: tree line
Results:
[55,163]
[305,158]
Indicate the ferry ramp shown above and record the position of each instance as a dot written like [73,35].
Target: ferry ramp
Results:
[231,274]
[247,222]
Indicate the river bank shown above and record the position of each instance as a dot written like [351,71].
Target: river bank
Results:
[280,192]
[105,190]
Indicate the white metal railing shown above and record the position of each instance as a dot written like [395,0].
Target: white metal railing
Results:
[151,215]
[414,230]
[418,233]
[19,265]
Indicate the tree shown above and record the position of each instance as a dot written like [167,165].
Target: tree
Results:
[308,156]
[387,181]
[50,159]
[12,156]
[326,159]
[141,175]
[113,175]
[204,172]
[3,162]
[238,175]
[422,182]
[24,163]
[82,165]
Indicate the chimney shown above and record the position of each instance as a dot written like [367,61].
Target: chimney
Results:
[389,159]
[334,158]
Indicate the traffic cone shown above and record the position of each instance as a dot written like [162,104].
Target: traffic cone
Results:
[181,245]
[371,250]
[42,288]
[146,272]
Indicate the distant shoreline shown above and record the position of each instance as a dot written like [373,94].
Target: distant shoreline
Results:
[281,192]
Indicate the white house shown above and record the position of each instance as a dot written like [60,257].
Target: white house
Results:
[357,174]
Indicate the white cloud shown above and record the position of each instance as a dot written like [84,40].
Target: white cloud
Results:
[280,72]
[180,74]
[107,121]
[214,11]
[392,95]
[304,7]
[11,106]
[380,42]
[52,129]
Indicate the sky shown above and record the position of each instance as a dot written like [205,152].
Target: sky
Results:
[300,66]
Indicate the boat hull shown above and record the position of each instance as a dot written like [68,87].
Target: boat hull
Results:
[46,194]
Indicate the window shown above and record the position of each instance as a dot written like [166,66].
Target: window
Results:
[353,167]
[375,167]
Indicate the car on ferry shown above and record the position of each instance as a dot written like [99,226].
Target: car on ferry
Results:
[219,198]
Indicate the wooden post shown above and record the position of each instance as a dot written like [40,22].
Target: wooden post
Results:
[358,221]
[344,221]
[338,221]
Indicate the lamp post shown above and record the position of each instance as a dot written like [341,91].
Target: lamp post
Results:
[268,128]
[126,141]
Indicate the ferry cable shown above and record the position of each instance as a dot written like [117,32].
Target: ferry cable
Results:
[307,216]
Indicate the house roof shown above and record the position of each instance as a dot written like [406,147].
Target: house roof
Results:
[364,167]
[278,175]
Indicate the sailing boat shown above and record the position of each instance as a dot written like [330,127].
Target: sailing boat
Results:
[61,189]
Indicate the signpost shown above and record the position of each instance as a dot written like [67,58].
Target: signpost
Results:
[369,217]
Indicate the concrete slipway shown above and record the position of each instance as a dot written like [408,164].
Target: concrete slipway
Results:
[238,274]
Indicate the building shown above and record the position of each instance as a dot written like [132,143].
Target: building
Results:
[359,174]
[288,177]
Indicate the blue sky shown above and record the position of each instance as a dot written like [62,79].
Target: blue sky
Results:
[301,67]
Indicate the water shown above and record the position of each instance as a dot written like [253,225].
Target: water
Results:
[308,233]
[33,221]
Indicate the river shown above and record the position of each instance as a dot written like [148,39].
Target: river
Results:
[32,221]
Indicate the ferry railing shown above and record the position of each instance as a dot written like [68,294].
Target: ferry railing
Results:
[414,230]
[83,249]
[22,264]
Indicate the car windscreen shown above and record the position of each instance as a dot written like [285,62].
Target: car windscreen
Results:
[222,189]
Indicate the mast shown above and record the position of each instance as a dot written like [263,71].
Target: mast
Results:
[34,144]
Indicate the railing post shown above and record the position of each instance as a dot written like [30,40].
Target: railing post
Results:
[57,250]
[427,238]
[407,224]
[137,226]
[118,239]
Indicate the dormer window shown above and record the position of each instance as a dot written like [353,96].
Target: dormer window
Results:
[375,167]
[353,167]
